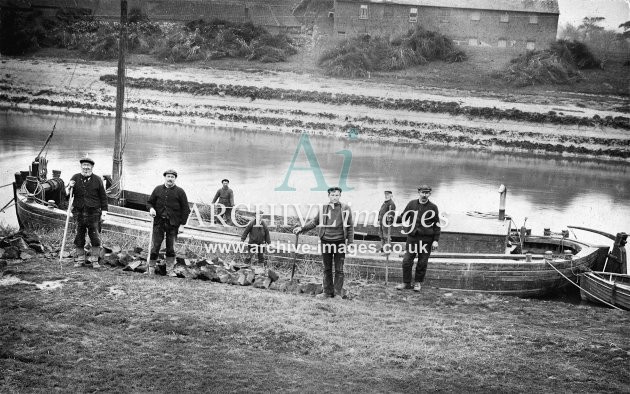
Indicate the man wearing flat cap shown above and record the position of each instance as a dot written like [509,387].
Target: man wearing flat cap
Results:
[88,209]
[385,219]
[225,197]
[168,205]
[423,234]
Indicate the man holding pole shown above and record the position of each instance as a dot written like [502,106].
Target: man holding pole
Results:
[168,205]
[336,231]
[88,209]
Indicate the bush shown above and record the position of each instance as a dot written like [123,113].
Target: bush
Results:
[560,64]
[196,40]
[357,56]
[20,31]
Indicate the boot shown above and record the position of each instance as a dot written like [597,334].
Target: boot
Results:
[79,257]
[152,264]
[170,264]
[95,252]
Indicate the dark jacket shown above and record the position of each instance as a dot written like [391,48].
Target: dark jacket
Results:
[89,194]
[431,226]
[170,203]
[225,197]
[385,208]
[257,234]
[345,223]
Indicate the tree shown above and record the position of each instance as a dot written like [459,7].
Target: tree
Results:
[626,29]
[590,25]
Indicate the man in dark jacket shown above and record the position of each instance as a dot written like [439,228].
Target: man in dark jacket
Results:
[168,205]
[422,237]
[89,208]
[336,231]
[225,197]
[386,219]
[258,236]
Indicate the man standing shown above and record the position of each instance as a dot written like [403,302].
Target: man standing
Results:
[258,237]
[422,237]
[336,230]
[386,219]
[225,196]
[88,208]
[168,205]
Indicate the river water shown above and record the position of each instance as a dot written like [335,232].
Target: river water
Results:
[550,192]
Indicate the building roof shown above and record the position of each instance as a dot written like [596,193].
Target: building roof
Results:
[538,6]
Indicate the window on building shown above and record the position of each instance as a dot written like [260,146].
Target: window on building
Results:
[502,43]
[363,11]
[341,33]
[444,15]
[531,45]
[475,16]
[413,15]
[533,19]
[473,42]
[505,18]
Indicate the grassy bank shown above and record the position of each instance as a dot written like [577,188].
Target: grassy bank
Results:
[109,330]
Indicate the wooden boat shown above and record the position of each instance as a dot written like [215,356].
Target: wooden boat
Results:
[476,253]
[612,288]
[474,261]
[609,284]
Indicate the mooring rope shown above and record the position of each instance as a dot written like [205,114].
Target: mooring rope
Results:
[581,289]
[7,205]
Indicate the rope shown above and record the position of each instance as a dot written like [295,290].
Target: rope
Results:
[578,286]
[483,215]
[8,184]
[57,118]
[7,206]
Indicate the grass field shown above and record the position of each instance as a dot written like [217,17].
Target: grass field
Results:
[114,331]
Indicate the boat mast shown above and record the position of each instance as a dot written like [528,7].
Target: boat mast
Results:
[120,98]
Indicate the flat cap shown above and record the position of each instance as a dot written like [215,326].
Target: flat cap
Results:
[86,159]
[423,188]
[170,171]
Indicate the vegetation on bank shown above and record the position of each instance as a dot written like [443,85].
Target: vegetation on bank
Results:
[358,56]
[22,32]
[560,64]
[116,331]
[430,106]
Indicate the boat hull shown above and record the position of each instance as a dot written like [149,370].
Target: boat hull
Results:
[490,273]
[609,287]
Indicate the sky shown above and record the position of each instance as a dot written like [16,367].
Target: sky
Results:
[615,12]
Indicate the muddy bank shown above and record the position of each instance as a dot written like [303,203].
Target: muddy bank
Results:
[260,102]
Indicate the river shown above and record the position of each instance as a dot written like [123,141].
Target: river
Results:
[550,192]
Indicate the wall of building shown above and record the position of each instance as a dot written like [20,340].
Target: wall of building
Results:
[387,19]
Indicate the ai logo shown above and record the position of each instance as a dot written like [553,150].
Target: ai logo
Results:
[305,144]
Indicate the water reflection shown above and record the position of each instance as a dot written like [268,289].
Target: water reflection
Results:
[551,192]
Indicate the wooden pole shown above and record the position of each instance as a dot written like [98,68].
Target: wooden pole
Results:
[65,230]
[120,100]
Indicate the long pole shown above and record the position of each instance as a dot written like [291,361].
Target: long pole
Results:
[120,100]
[297,236]
[65,230]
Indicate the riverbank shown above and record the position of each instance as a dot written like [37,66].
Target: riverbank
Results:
[578,126]
[85,329]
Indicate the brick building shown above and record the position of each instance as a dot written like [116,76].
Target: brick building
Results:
[274,15]
[517,24]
